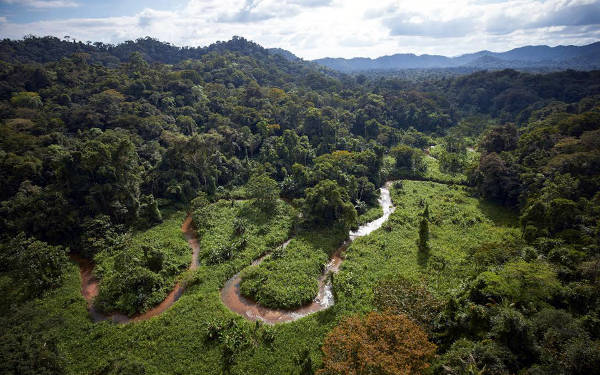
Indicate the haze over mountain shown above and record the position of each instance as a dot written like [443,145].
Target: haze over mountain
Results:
[529,57]
[532,58]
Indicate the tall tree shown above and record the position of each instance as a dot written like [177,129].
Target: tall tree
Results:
[328,203]
[377,344]
[264,190]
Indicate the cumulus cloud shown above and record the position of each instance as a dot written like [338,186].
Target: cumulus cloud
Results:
[256,11]
[260,10]
[346,28]
[570,15]
[310,3]
[531,15]
[437,19]
[149,17]
[415,25]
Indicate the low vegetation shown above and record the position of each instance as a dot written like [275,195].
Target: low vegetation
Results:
[240,232]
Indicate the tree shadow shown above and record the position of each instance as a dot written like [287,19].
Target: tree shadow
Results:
[423,257]
[499,215]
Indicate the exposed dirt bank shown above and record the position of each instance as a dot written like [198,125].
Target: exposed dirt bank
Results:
[90,288]
[236,302]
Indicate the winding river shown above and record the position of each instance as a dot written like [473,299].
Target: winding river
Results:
[230,294]
[89,283]
[236,302]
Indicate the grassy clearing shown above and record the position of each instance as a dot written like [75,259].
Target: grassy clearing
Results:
[288,278]
[458,223]
[179,340]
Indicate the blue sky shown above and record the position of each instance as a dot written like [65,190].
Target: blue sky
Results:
[315,28]
[29,11]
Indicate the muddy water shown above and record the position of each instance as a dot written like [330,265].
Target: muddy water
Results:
[232,298]
[89,284]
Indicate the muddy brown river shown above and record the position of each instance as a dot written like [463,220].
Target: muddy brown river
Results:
[230,294]
[89,283]
[236,302]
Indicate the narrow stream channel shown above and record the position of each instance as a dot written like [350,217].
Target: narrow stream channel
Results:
[90,288]
[233,299]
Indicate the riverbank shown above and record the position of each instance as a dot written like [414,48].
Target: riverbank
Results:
[232,297]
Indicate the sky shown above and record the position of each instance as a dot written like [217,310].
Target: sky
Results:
[315,28]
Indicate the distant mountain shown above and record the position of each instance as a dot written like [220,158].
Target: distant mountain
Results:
[393,62]
[529,57]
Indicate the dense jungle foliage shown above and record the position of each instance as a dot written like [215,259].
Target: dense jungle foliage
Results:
[490,262]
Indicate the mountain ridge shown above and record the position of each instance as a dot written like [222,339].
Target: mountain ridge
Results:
[539,56]
[528,58]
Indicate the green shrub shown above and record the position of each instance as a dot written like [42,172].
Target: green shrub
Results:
[475,358]
[27,100]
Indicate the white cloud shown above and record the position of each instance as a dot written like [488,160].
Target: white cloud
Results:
[346,28]
[44,3]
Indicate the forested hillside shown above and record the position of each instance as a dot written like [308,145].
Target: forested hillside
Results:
[490,262]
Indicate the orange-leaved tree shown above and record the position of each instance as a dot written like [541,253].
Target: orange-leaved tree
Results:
[379,343]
